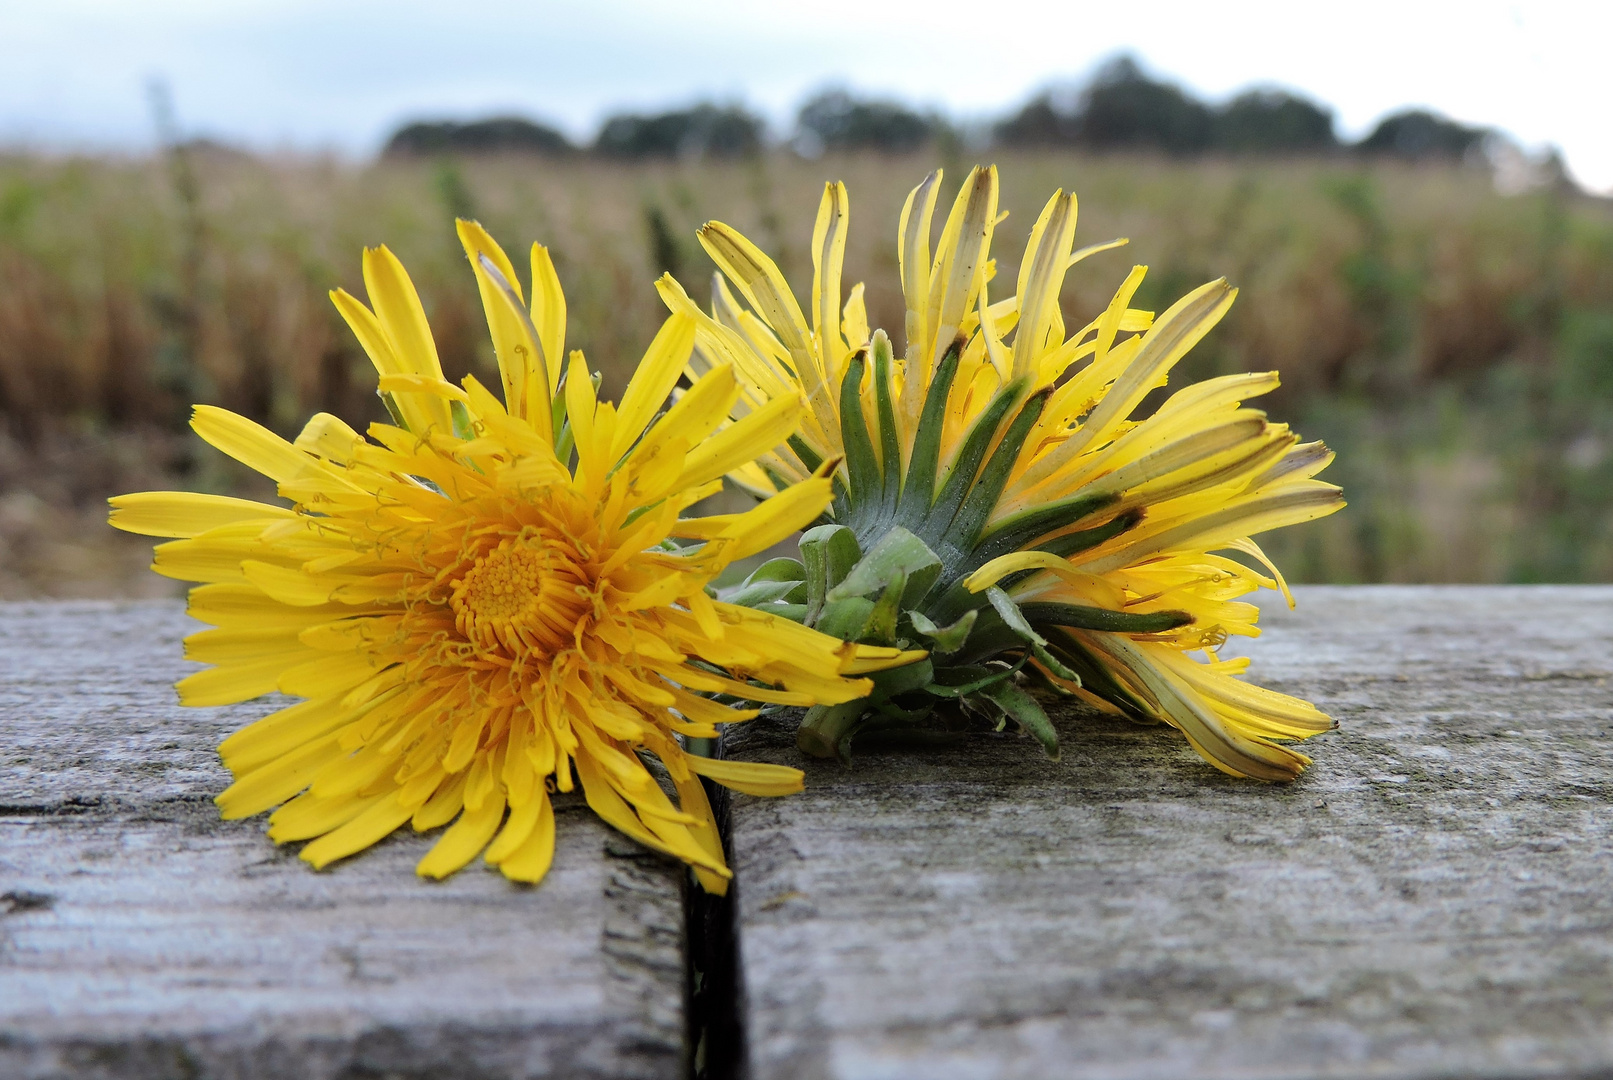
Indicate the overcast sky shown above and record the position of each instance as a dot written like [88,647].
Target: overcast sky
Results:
[327,74]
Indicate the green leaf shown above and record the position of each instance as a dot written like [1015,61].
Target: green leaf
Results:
[890,449]
[981,499]
[918,490]
[961,476]
[948,639]
[828,552]
[1029,715]
[898,551]
[1095,618]
[862,467]
[1015,531]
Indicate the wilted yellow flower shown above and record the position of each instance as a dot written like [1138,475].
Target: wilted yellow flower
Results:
[470,616]
[1000,500]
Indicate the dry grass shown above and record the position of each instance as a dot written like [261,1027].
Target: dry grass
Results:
[1417,318]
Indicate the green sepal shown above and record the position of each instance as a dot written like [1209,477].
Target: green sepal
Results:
[862,467]
[881,626]
[898,551]
[827,730]
[392,409]
[793,612]
[1096,678]
[890,449]
[978,678]
[1094,618]
[845,619]
[564,443]
[918,490]
[1016,621]
[964,532]
[828,552]
[1027,713]
[1009,612]
[1015,531]
[808,456]
[961,477]
[558,416]
[462,422]
[782,568]
[1085,539]
[757,593]
[894,682]
[947,639]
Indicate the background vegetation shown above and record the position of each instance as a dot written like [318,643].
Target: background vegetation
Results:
[1454,344]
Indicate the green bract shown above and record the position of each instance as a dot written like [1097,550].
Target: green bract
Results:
[1001,499]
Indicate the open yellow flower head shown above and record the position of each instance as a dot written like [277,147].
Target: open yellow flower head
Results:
[1001,502]
[481,601]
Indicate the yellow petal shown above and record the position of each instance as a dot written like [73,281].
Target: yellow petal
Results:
[750,777]
[463,839]
[331,674]
[521,822]
[273,782]
[185,513]
[828,253]
[253,445]
[530,862]
[548,313]
[653,380]
[375,823]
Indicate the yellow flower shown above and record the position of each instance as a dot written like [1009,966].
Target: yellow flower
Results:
[1000,500]
[469,617]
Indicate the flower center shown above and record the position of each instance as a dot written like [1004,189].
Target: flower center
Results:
[524,596]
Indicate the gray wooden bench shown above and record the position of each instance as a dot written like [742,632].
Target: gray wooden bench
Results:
[1435,898]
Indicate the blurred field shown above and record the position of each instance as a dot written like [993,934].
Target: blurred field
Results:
[1453,344]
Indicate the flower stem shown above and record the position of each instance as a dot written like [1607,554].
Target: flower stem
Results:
[825,726]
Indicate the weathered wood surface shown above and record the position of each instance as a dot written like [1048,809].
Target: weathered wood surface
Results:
[141,937]
[1434,898]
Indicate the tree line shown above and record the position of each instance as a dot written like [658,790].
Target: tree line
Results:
[1121,108]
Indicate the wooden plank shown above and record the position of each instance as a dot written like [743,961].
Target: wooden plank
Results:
[1435,897]
[142,937]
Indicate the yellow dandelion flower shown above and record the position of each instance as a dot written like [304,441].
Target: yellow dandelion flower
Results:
[473,620]
[999,501]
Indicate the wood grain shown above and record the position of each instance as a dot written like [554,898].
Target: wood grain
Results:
[142,937]
[1434,898]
